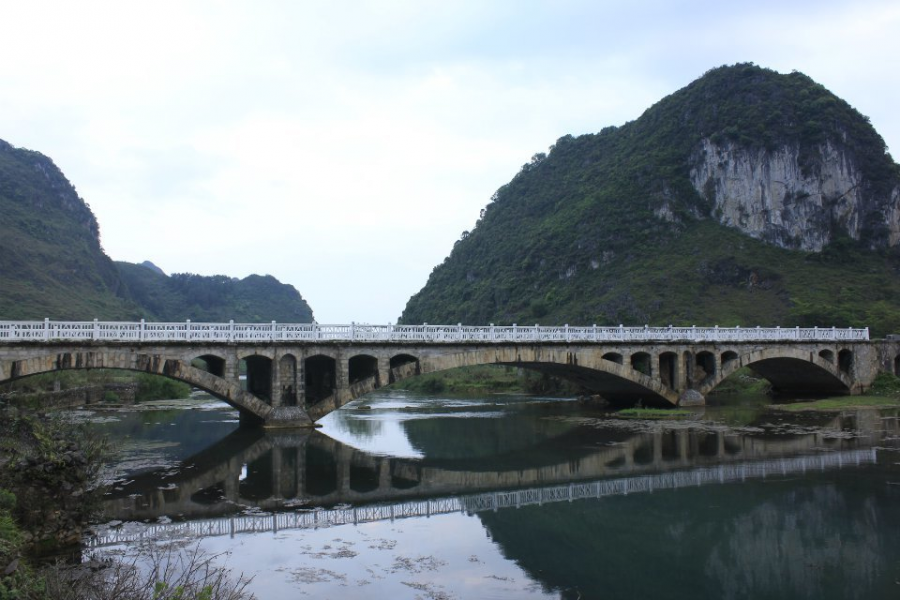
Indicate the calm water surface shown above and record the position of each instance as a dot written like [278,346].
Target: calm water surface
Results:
[506,497]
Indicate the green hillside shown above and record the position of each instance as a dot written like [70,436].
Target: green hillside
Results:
[577,237]
[215,298]
[52,264]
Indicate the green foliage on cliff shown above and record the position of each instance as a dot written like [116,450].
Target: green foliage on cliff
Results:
[579,235]
[255,298]
[52,264]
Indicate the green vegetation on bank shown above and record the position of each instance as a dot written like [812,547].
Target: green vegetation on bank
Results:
[743,382]
[884,393]
[885,384]
[488,379]
[653,413]
[842,402]
[608,228]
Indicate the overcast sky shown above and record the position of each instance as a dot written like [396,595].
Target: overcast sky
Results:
[342,147]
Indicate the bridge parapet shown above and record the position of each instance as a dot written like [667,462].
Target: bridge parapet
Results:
[231,332]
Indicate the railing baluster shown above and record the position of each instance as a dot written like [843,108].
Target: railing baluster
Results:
[149,332]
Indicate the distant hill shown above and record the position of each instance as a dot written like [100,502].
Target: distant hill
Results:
[51,261]
[748,197]
[216,298]
[52,264]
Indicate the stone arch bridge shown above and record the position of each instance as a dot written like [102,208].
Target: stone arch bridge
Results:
[292,375]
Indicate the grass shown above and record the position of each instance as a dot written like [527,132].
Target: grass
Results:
[743,382]
[841,403]
[653,413]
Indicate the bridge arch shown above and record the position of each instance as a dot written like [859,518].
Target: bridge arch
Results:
[618,383]
[827,355]
[728,356]
[320,371]
[362,366]
[229,391]
[790,370]
[210,363]
[668,365]
[614,357]
[845,361]
[642,362]
[402,366]
[258,370]
[704,369]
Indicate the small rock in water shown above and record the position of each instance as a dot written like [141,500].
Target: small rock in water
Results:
[11,568]
[691,398]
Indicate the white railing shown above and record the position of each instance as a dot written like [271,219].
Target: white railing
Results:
[142,331]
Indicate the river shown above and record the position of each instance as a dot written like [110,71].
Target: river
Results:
[407,496]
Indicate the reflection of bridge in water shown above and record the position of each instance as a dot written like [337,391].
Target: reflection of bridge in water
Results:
[473,503]
[277,472]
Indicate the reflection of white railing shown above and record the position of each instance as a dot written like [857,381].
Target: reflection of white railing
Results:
[313,519]
[110,331]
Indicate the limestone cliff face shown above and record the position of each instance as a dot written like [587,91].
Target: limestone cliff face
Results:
[770,196]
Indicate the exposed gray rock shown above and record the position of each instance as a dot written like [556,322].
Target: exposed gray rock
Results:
[769,196]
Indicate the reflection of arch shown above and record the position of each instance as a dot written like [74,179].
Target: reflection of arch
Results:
[210,363]
[362,366]
[259,478]
[897,365]
[321,471]
[321,377]
[614,357]
[788,370]
[363,478]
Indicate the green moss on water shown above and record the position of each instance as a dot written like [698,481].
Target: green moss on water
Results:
[653,413]
[843,402]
